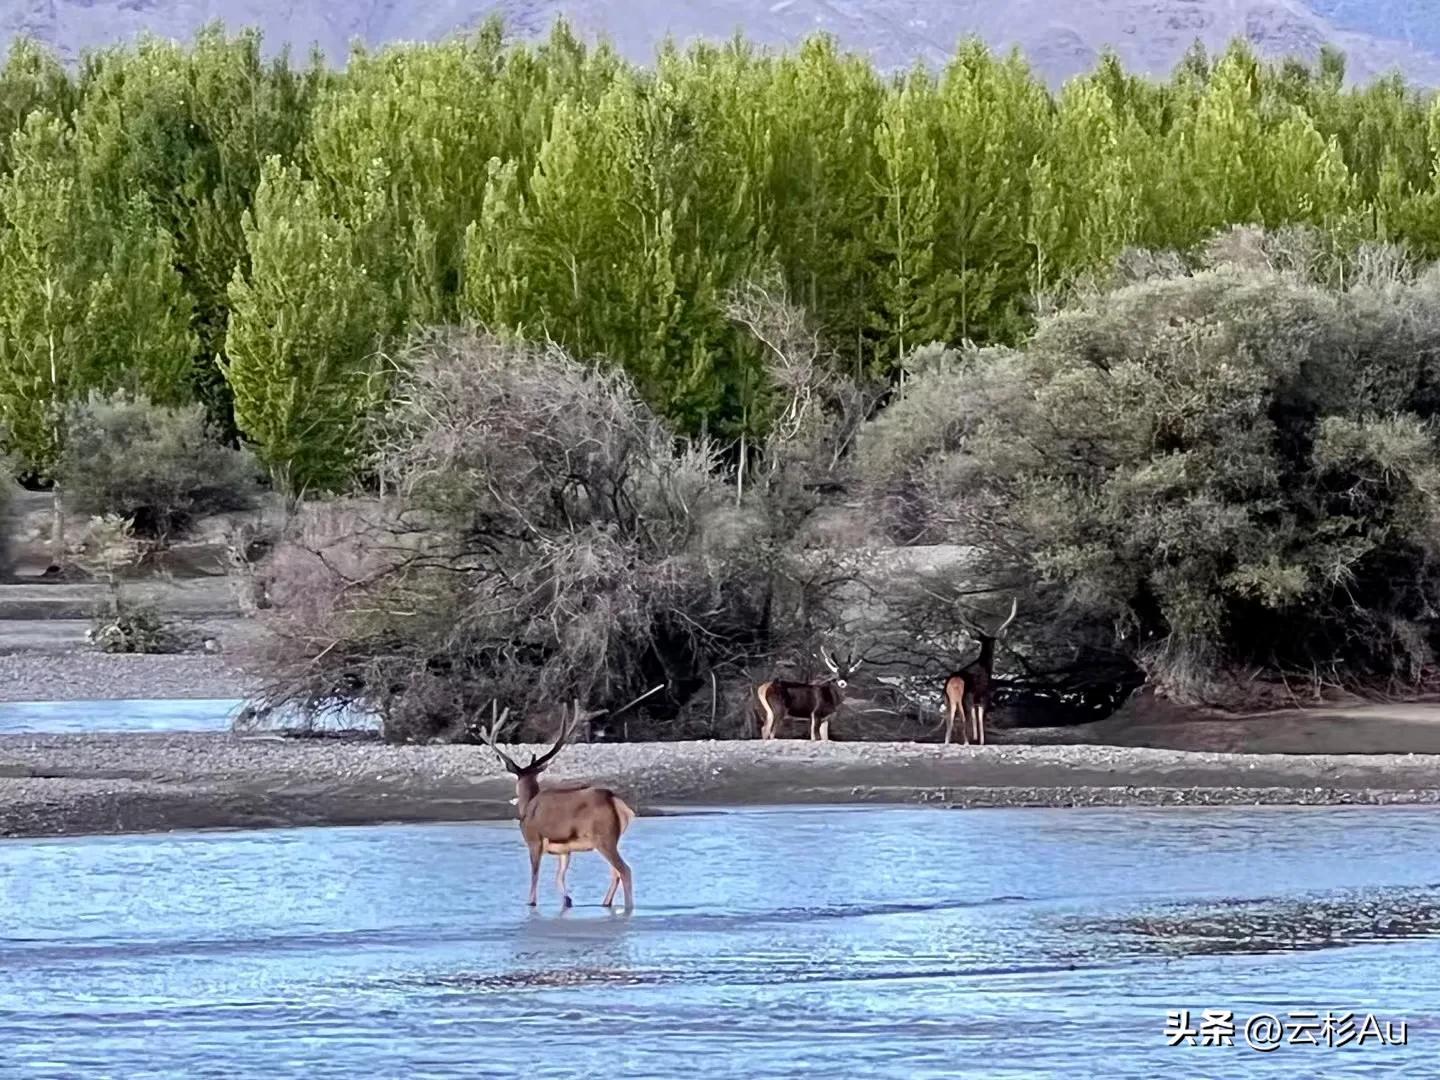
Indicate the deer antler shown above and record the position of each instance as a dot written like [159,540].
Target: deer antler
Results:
[489,735]
[974,627]
[844,670]
[1014,607]
[566,727]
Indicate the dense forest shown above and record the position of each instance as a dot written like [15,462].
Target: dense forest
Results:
[199,223]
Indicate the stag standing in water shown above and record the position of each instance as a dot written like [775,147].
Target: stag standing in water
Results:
[967,691]
[781,698]
[566,818]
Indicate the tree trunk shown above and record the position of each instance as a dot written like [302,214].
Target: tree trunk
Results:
[57,528]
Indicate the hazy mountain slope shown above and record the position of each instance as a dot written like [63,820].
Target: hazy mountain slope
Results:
[1061,38]
[1414,21]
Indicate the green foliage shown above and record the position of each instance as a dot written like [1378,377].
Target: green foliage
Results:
[159,467]
[86,301]
[307,321]
[168,207]
[188,131]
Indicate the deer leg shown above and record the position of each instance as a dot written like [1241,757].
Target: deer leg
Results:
[564,861]
[610,892]
[536,851]
[949,720]
[611,852]
[825,730]
[967,719]
[980,724]
[813,735]
[767,725]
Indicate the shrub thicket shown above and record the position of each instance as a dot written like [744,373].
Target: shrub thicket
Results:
[545,537]
[1209,474]
[160,467]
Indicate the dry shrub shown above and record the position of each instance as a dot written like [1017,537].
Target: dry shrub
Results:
[543,537]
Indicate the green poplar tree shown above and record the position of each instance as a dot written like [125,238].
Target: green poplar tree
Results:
[87,300]
[916,297]
[305,326]
[30,79]
[187,129]
[823,108]
[1085,206]
[995,118]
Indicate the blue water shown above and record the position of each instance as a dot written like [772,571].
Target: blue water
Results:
[62,717]
[110,717]
[894,942]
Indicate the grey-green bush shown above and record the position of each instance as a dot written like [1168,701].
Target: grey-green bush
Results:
[161,467]
[1235,471]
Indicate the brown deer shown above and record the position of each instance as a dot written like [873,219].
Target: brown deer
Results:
[818,701]
[968,691]
[566,818]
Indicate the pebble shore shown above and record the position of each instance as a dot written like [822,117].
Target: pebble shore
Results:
[75,784]
[93,676]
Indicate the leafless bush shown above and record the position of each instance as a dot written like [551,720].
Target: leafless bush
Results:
[818,411]
[543,537]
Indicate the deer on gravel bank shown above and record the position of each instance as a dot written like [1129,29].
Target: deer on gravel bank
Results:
[968,691]
[565,818]
[815,701]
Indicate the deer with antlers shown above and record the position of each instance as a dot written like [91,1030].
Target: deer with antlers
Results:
[968,691]
[817,701]
[565,818]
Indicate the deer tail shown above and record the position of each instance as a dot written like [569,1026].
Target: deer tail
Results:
[623,811]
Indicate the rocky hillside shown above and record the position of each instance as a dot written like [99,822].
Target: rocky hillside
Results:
[1060,38]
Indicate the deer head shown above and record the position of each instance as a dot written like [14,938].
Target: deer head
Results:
[841,672]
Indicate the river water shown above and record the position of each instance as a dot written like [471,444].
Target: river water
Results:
[875,942]
[117,716]
[152,716]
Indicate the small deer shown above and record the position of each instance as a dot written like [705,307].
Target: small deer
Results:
[968,691]
[819,701]
[565,818]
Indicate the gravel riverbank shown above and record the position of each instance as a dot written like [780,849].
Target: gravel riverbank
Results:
[94,676]
[73,784]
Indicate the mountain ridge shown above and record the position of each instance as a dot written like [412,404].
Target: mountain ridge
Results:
[1150,36]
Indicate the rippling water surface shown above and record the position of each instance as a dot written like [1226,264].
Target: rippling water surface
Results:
[72,717]
[843,942]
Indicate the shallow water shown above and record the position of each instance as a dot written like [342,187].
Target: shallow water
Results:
[901,942]
[116,716]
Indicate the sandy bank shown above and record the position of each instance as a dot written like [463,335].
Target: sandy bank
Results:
[56,785]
